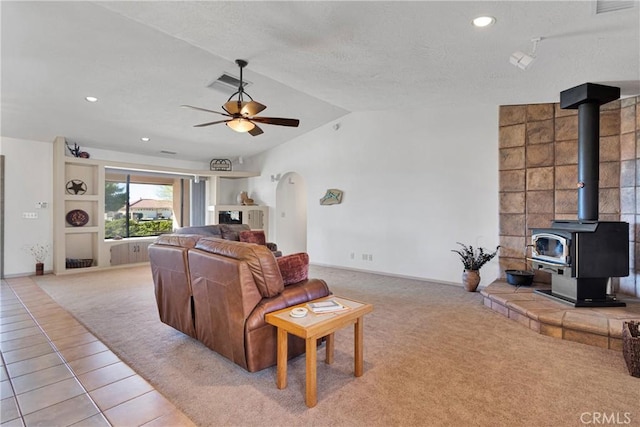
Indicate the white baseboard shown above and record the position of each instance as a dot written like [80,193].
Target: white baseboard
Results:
[384,273]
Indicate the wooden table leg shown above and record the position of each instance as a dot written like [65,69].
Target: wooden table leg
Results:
[358,347]
[281,380]
[330,346]
[311,358]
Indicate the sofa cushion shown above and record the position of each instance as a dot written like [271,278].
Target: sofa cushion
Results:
[260,259]
[231,231]
[182,240]
[294,267]
[253,236]
[202,230]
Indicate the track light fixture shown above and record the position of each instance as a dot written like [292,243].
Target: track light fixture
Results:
[523,60]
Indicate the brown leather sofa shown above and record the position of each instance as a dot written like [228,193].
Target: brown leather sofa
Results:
[229,232]
[172,281]
[232,285]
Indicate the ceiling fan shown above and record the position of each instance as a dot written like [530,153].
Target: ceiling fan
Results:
[242,114]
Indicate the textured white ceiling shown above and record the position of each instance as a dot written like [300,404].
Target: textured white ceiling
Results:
[315,61]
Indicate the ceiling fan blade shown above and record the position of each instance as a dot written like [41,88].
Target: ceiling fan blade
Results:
[255,131]
[204,109]
[211,123]
[276,121]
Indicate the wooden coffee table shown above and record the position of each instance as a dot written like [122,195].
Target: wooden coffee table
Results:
[314,326]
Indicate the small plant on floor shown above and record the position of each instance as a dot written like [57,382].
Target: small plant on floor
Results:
[474,259]
[39,251]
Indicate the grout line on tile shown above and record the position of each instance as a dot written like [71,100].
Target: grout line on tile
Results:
[55,348]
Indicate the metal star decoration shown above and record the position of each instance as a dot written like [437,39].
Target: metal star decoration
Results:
[75,186]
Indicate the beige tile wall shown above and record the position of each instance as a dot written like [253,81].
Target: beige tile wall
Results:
[539,175]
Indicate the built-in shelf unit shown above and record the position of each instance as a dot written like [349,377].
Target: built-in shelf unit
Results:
[79,245]
[76,246]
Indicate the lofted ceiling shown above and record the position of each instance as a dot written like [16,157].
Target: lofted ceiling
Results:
[315,61]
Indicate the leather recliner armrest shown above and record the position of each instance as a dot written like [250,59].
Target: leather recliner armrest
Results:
[297,293]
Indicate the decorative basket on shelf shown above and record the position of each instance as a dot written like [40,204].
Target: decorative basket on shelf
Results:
[631,346]
[78,263]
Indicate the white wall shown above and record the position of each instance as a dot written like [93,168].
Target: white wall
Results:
[414,183]
[28,180]
[230,189]
[290,213]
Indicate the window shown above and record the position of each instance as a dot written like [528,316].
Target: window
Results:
[137,206]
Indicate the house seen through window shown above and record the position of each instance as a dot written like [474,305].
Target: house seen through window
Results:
[134,208]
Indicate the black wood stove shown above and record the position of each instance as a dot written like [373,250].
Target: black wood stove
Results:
[584,255]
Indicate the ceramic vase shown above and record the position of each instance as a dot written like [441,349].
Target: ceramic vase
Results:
[471,280]
[39,268]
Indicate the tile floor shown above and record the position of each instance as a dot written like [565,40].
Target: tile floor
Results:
[54,372]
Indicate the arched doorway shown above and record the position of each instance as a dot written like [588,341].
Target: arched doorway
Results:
[291,213]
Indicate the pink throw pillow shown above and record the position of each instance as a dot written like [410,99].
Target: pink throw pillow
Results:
[294,267]
[253,236]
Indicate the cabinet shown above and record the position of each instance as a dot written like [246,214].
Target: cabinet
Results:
[130,252]
[255,218]
[77,204]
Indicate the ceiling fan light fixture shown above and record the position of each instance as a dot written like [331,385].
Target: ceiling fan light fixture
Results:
[240,125]
[233,107]
[242,114]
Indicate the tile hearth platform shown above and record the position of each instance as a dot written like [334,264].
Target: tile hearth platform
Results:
[601,326]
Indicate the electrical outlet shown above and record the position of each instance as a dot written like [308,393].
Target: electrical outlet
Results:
[30,215]
[370,257]
[352,255]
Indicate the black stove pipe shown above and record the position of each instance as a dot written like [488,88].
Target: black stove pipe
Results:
[588,161]
[587,99]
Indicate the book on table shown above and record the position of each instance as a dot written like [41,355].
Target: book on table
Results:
[327,306]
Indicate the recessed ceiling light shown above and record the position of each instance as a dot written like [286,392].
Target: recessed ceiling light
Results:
[145,139]
[91,98]
[484,21]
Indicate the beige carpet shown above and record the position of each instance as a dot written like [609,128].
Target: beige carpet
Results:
[434,355]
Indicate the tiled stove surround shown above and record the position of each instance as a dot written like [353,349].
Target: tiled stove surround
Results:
[539,174]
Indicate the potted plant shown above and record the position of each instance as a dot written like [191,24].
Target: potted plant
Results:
[40,253]
[472,260]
